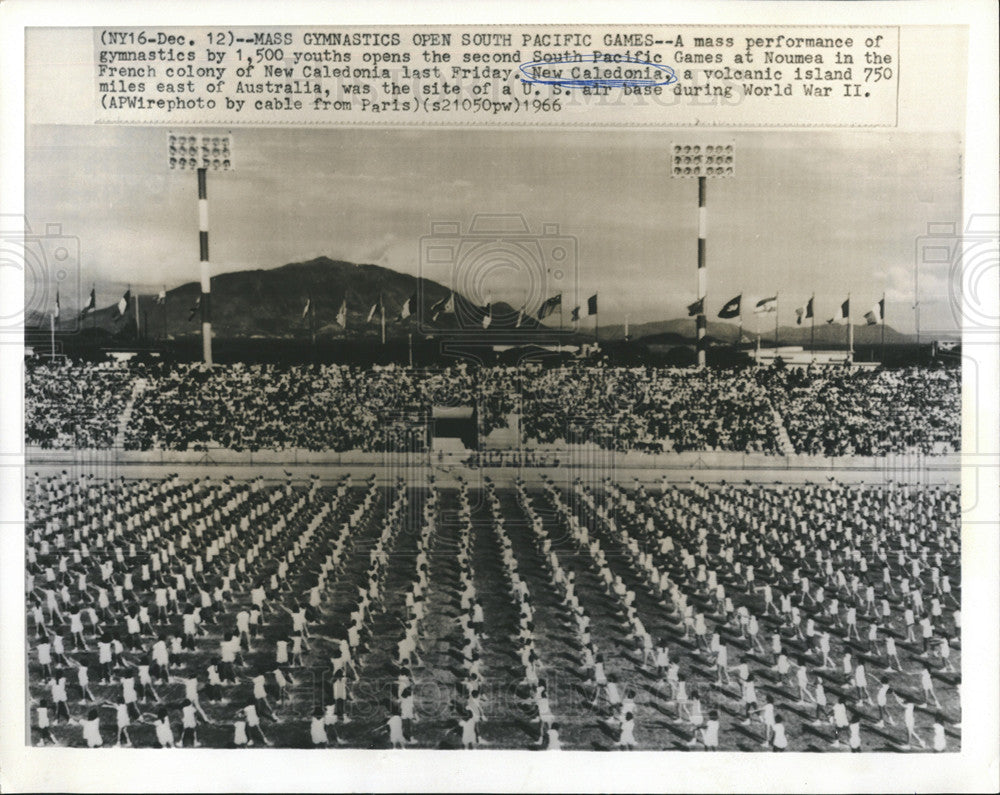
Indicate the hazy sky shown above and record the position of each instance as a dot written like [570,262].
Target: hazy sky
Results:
[824,212]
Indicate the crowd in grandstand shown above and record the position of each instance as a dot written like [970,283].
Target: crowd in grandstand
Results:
[144,406]
[651,409]
[871,412]
[74,404]
[168,613]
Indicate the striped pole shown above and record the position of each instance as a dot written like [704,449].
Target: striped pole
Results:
[702,323]
[206,271]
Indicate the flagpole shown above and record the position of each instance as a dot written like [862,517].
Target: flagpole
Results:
[597,317]
[164,313]
[739,333]
[626,328]
[559,342]
[135,299]
[882,347]
[850,332]
[409,339]
[93,312]
[757,323]
[381,304]
[52,335]
[812,330]
[312,322]
[776,324]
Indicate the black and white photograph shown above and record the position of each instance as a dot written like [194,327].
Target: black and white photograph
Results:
[388,390]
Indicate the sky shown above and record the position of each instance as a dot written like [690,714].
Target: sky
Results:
[808,212]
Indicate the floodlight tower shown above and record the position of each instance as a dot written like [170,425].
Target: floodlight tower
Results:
[704,161]
[202,153]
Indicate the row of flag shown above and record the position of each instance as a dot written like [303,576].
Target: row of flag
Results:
[447,306]
[118,310]
[733,308]
[341,313]
[550,305]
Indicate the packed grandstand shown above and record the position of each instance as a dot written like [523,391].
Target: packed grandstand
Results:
[329,407]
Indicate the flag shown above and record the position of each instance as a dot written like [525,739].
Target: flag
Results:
[697,308]
[92,304]
[444,306]
[122,304]
[56,313]
[342,314]
[376,307]
[845,312]
[306,308]
[194,309]
[592,305]
[488,317]
[766,305]
[407,309]
[732,308]
[575,314]
[549,305]
[874,317]
[804,312]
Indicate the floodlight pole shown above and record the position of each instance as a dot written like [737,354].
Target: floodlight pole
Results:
[701,321]
[206,269]
[702,161]
[201,153]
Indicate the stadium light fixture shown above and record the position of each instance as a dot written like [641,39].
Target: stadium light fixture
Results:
[201,153]
[702,160]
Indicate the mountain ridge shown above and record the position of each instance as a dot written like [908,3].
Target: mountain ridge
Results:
[270,303]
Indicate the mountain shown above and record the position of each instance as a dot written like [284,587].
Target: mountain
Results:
[268,304]
[827,335]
